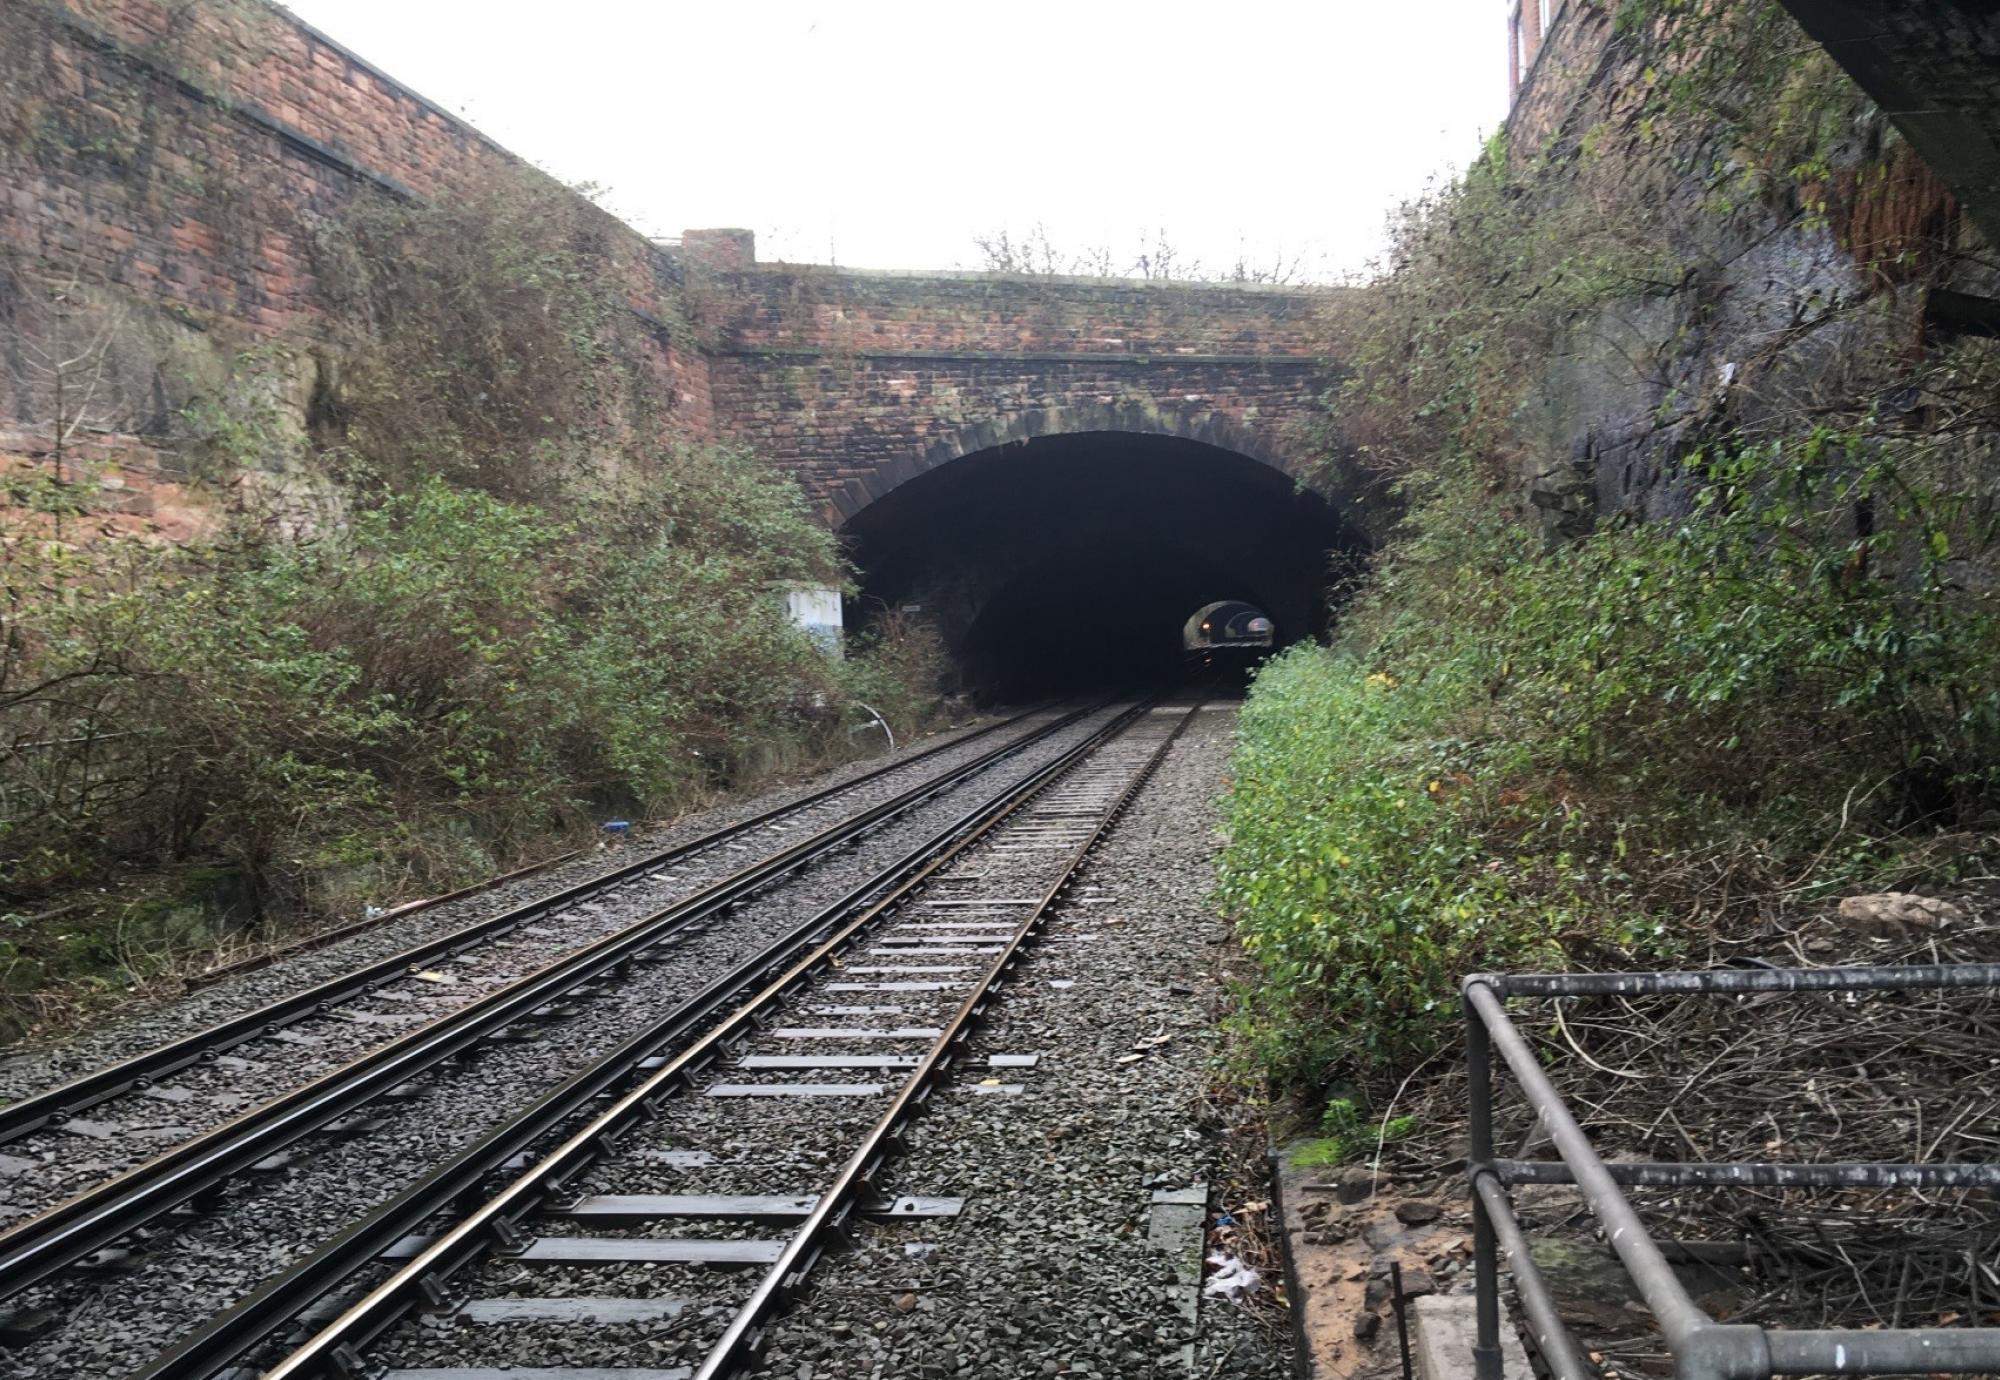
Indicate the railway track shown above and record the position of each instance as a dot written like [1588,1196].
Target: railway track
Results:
[668,1197]
[72,1230]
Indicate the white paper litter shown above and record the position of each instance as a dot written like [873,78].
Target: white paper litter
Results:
[1232,1280]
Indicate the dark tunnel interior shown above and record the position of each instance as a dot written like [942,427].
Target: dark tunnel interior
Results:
[1073,562]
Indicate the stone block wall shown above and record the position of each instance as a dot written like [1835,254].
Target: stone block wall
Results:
[1633,384]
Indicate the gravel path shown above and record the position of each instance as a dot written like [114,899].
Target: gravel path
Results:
[45,1167]
[106,1326]
[1051,1269]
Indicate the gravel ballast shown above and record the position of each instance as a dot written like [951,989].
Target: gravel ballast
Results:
[26,1071]
[46,1166]
[108,1325]
[1051,1270]
[766,1127]
[1053,1267]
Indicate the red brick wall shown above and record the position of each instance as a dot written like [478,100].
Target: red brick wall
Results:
[1566,62]
[180,159]
[183,155]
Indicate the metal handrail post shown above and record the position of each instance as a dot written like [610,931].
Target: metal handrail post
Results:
[1486,1364]
[1545,1325]
[1701,1347]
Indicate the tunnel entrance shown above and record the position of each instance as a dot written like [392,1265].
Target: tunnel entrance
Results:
[1071,562]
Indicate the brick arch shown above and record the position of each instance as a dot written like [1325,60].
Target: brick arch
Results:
[1130,418]
[1016,505]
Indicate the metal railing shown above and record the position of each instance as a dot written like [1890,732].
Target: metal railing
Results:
[1702,1348]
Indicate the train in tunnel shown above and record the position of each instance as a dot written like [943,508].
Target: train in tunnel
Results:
[1074,560]
[1229,635]
[1228,623]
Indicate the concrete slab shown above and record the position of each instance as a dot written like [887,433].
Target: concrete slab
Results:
[1178,1223]
[1442,1328]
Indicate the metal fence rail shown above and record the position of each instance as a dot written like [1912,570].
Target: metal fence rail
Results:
[1702,1348]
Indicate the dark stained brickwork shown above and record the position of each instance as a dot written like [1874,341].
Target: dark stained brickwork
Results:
[859,381]
[1631,384]
[185,158]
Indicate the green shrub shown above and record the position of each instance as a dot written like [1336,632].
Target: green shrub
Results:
[1362,892]
[1515,757]
[501,352]
[439,682]
[473,596]
[896,667]
[1520,760]
[1349,1135]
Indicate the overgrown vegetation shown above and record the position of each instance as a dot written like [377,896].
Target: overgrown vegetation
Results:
[1346,1135]
[499,348]
[1155,257]
[521,609]
[1777,675]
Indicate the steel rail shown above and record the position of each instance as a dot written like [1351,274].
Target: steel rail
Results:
[57,1104]
[65,1233]
[257,1317]
[336,1347]
[786,1273]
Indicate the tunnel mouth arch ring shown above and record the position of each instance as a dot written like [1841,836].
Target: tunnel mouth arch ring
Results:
[1048,562]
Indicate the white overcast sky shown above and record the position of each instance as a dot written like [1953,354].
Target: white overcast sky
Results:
[882,134]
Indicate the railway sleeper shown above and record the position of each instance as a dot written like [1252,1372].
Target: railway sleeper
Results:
[602,1311]
[819,1216]
[529,1373]
[58,1106]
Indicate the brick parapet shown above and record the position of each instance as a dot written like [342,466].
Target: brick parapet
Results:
[854,428]
[836,310]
